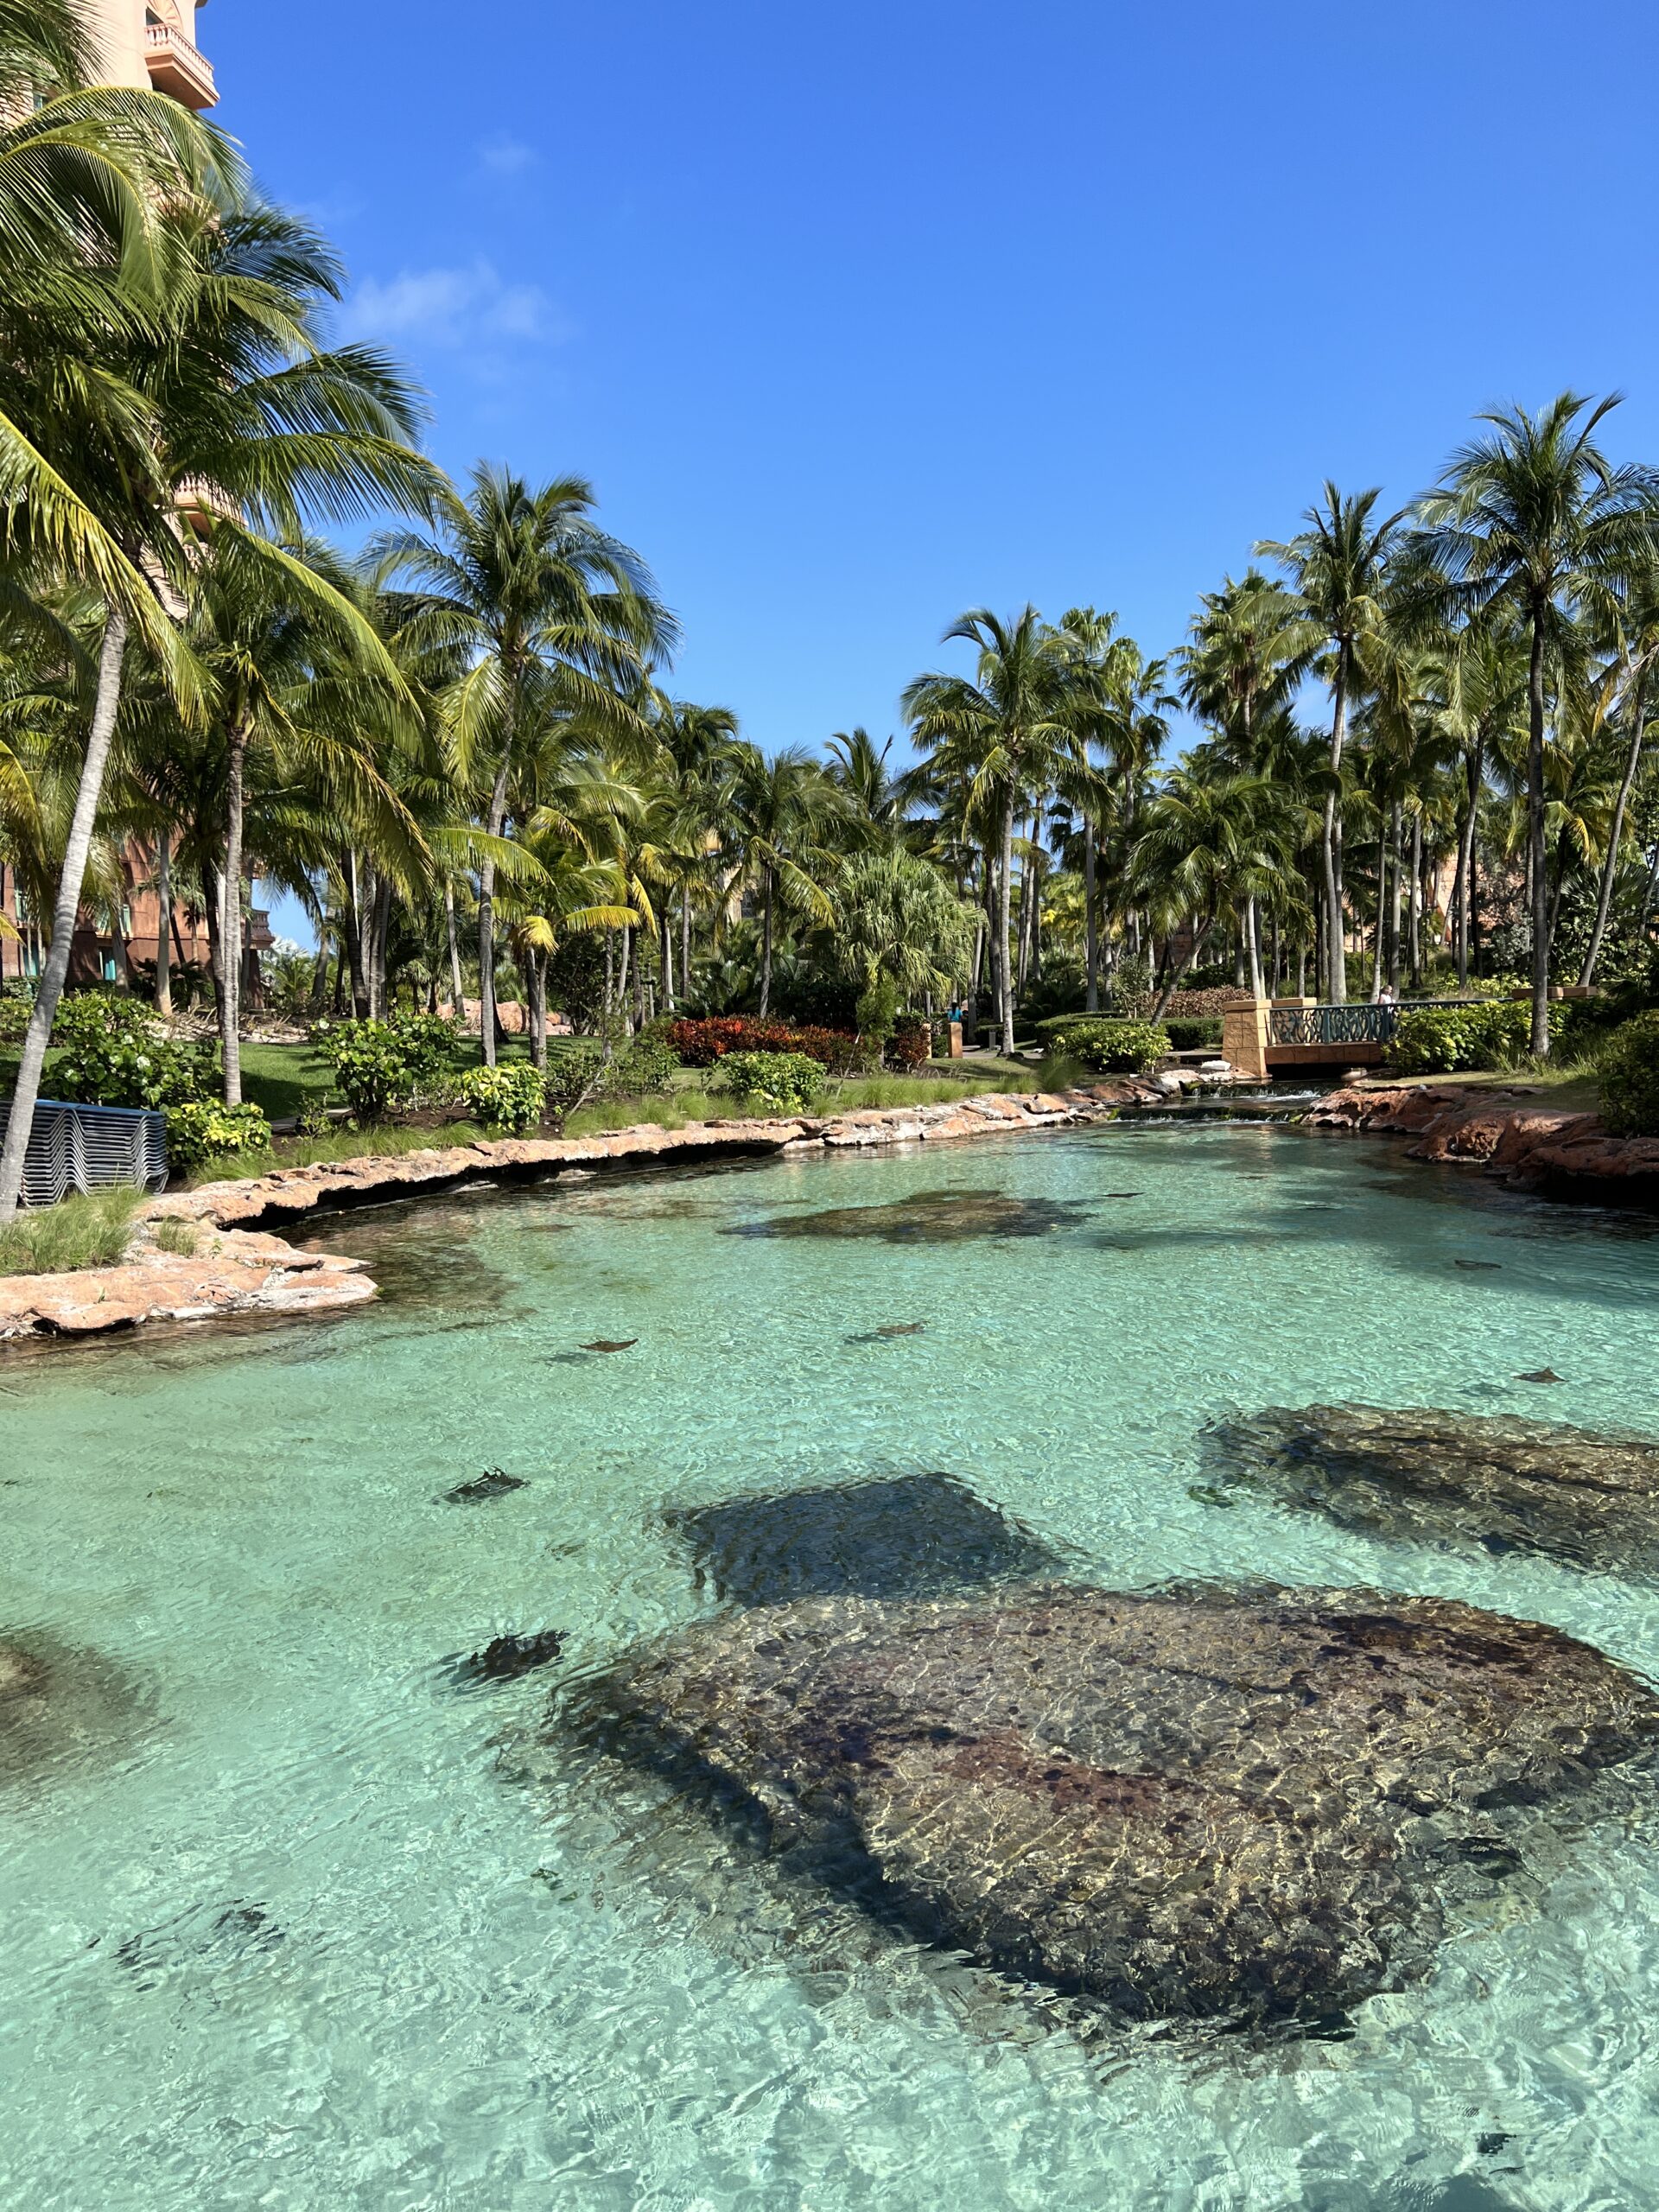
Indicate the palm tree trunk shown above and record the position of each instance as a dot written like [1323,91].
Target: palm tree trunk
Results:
[486,911]
[1091,923]
[685,942]
[1539,885]
[536,984]
[1004,938]
[668,960]
[1414,910]
[353,936]
[382,932]
[1330,840]
[163,925]
[622,972]
[230,927]
[1179,967]
[766,951]
[1464,887]
[1616,835]
[1252,938]
[1397,864]
[454,949]
[55,969]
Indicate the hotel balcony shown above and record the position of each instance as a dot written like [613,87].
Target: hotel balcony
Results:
[177,67]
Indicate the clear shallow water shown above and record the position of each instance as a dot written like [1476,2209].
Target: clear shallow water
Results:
[291,1921]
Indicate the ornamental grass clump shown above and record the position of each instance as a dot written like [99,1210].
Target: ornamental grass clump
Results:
[84,1231]
[1629,1078]
[779,1083]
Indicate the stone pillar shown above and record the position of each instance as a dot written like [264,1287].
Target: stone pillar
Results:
[1244,1038]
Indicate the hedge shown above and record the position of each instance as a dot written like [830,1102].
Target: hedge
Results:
[701,1043]
[1629,1078]
[1439,1040]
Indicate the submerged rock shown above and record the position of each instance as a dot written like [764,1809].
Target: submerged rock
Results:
[1496,1481]
[59,1706]
[611,1344]
[1180,1804]
[494,1482]
[505,1657]
[908,1536]
[928,1218]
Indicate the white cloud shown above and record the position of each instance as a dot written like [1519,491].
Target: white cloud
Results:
[507,156]
[454,306]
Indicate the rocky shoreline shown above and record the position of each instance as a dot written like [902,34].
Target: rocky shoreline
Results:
[239,1266]
[1532,1148]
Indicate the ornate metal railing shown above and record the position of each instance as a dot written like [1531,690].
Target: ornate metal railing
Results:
[1360,1024]
[89,1148]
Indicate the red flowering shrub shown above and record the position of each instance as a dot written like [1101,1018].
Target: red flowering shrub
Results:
[911,1045]
[700,1044]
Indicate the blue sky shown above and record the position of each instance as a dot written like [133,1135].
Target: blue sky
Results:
[857,316]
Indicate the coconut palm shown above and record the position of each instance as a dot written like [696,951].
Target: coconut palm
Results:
[1337,567]
[782,811]
[1534,521]
[1001,731]
[231,421]
[557,621]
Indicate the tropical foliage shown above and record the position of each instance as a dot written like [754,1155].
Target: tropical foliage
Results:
[1418,758]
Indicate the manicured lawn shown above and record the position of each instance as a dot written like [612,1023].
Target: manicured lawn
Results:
[1568,1090]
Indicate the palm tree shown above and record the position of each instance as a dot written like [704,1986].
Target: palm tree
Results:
[229,419]
[1002,731]
[781,809]
[557,621]
[899,921]
[1535,521]
[1337,566]
[1638,648]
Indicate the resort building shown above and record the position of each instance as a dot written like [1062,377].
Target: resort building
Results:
[153,42]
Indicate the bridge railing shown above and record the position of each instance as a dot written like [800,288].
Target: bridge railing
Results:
[1361,1023]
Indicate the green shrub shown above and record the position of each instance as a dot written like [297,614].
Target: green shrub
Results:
[201,1129]
[647,1066]
[574,1074]
[507,1097]
[1629,1078]
[1440,1039]
[1195,1036]
[1115,1047]
[782,1083]
[380,1064]
[15,1007]
[111,1051]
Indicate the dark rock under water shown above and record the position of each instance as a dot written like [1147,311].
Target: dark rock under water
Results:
[505,1657]
[494,1482]
[926,1217]
[906,1536]
[1492,1481]
[1177,1804]
[62,1705]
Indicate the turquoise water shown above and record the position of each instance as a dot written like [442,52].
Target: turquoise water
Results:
[292,1920]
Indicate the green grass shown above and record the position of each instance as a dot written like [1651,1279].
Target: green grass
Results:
[382,1143]
[90,1232]
[179,1237]
[1566,1087]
